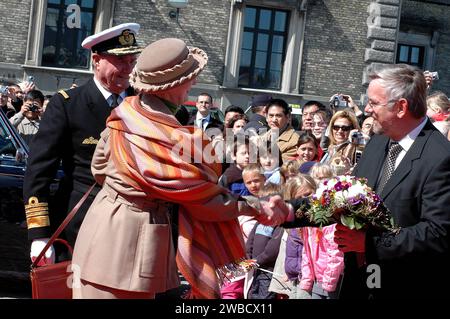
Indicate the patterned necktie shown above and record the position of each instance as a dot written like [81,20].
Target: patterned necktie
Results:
[115,100]
[389,165]
[204,120]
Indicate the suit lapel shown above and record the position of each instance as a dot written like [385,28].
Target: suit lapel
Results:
[376,159]
[97,104]
[405,166]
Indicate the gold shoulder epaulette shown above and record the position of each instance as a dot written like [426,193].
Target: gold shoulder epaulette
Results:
[64,93]
[36,213]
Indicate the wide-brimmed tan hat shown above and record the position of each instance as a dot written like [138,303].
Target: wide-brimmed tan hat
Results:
[165,64]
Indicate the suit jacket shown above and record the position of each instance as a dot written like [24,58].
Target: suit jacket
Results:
[68,134]
[413,263]
[213,123]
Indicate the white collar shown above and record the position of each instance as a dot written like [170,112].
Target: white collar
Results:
[207,117]
[106,94]
[409,139]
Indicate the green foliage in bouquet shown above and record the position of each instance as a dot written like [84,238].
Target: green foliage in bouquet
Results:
[350,201]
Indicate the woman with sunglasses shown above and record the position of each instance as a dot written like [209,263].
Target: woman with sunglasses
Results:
[341,125]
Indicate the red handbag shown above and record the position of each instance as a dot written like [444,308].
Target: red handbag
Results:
[55,281]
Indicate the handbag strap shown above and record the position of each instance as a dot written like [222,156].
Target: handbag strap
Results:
[62,226]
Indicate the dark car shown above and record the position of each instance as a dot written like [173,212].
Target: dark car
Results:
[13,155]
[14,245]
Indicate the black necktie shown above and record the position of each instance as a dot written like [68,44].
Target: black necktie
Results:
[115,100]
[389,165]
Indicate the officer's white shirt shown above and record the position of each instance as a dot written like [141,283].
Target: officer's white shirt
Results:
[108,95]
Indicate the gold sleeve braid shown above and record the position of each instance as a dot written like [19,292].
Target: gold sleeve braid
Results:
[36,213]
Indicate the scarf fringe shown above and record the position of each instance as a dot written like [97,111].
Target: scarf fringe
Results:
[227,273]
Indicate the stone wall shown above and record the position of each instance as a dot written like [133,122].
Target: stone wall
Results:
[333,52]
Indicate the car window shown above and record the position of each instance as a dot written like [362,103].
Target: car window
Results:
[6,146]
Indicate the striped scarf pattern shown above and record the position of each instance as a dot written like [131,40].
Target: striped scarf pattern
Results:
[142,147]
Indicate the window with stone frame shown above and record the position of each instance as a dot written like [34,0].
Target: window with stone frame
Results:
[263,48]
[56,30]
[67,23]
[411,54]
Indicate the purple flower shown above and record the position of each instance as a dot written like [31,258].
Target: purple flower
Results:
[338,186]
[355,200]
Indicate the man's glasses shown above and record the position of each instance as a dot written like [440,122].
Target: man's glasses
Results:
[345,128]
[374,105]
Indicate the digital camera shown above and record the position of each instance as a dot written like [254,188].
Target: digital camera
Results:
[3,89]
[339,103]
[358,138]
[360,142]
[34,107]
[434,75]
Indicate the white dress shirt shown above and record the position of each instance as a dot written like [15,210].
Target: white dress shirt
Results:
[108,95]
[199,120]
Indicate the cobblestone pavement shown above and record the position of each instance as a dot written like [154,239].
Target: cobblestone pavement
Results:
[14,261]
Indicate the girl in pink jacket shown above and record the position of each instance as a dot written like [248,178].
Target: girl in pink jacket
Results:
[322,263]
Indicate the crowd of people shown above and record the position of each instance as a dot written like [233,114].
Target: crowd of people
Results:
[152,214]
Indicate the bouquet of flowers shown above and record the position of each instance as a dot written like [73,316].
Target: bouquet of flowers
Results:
[350,201]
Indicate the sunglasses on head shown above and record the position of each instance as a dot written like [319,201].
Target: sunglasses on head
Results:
[345,128]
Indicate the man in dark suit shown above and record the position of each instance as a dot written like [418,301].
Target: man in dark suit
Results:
[68,134]
[202,117]
[413,180]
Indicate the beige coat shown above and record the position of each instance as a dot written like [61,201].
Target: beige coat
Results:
[125,240]
[286,142]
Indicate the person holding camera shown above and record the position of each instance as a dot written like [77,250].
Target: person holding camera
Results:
[26,121]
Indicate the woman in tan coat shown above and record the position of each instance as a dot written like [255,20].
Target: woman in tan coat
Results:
[146,161]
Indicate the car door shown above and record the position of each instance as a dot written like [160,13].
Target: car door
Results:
[13,155]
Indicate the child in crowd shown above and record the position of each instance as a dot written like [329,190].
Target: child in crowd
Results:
[322,263]
[254,180]
[297,187]
[253,177]
[288,262]
[290,169]
[270,159]
[232,177]
[262,246]
[320,172]
[307,149]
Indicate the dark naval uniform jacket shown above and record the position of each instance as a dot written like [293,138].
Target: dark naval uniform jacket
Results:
[258,123]
[68,135]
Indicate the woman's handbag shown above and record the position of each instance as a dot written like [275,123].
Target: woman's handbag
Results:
[55,281]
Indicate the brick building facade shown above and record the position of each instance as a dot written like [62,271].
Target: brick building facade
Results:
[327,46]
